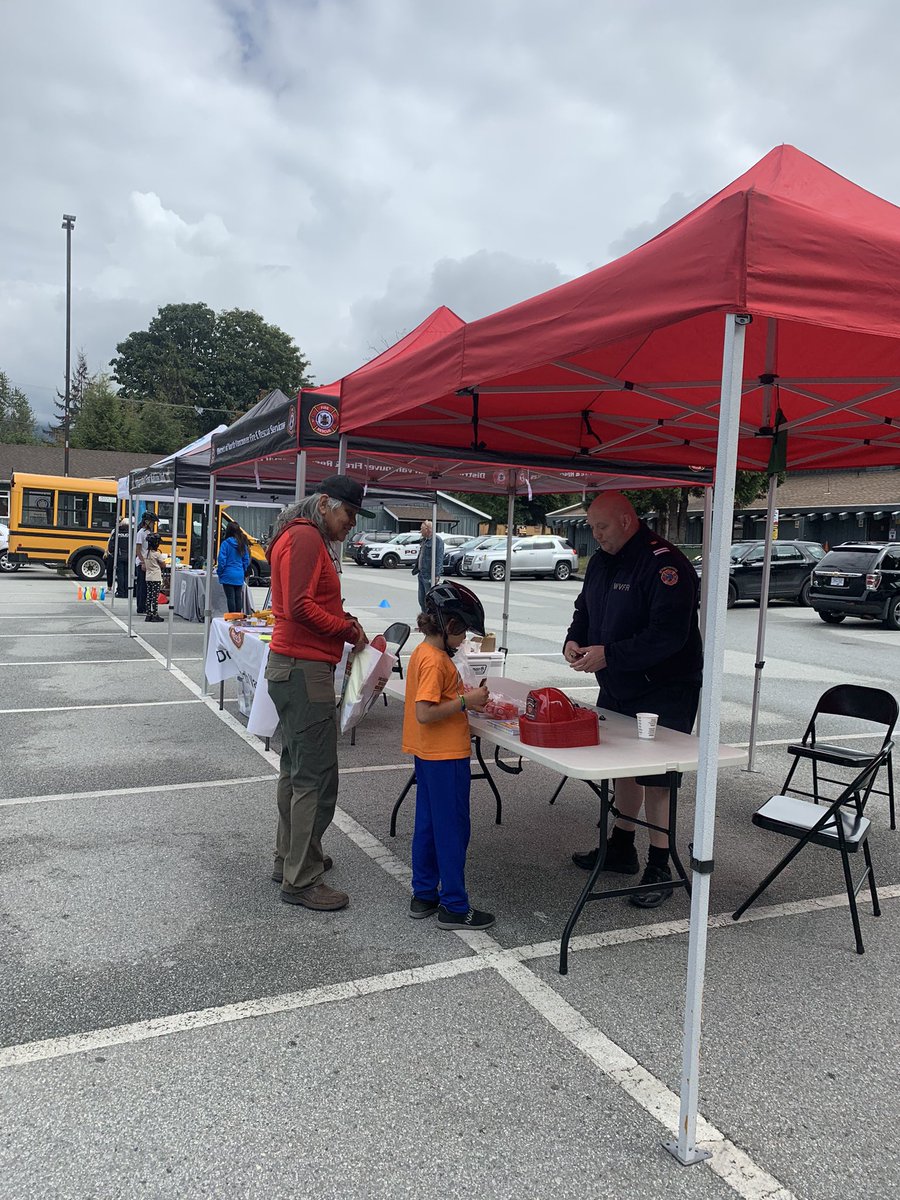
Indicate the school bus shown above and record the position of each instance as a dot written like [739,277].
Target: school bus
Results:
[63,521]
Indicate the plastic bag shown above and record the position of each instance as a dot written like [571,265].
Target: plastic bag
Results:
[369,671]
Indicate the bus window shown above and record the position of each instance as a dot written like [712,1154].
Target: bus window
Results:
[72,510]
[165,519]
[37,506]
[103,512]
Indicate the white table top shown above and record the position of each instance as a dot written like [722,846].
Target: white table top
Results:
[620,754]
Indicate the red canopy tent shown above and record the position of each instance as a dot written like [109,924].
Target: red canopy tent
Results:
[624,363]
[628,364]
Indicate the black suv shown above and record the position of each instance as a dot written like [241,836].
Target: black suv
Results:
[360,542]
[858,579]
[792,565]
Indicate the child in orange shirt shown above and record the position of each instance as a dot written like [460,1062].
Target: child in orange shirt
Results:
[436,732]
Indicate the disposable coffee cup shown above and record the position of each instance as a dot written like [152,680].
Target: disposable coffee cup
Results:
[646,723]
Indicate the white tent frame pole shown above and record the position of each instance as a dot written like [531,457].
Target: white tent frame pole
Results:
[342,470]
[115,575]
[212,522]
[132,534]
[760,661]
[300,484]
[510,517]
[172,570]
[684,1147]
[708,498]
[434,534]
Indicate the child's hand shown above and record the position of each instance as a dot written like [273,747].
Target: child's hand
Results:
[477,698]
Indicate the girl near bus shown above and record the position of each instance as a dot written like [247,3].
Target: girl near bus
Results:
[233,565]
[153,565]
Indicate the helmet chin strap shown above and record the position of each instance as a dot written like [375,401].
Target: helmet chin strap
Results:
[451,650]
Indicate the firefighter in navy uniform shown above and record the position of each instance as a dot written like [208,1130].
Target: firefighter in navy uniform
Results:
[635,627]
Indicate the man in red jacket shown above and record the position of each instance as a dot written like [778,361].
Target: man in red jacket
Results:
[311,628]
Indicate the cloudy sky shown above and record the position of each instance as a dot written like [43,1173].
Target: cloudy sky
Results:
[344,166]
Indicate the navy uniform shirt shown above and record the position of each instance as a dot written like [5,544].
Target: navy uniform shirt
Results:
[641,605]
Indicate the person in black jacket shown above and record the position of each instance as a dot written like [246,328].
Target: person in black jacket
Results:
[635,627]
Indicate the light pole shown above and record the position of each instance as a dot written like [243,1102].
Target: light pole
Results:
[68,225]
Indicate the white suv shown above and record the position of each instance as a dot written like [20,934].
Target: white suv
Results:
[539,555]
[5,564]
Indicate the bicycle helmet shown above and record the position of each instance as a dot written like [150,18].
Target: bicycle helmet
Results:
[450,599]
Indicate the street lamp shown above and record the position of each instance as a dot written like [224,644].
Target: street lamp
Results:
[68,224]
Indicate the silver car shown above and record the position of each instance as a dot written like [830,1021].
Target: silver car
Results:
[538,555]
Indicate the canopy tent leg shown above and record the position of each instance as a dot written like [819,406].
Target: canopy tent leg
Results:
[434,533]
[115,573]
[759,663]
[684,1147]
[132,534]
[172,569]
[510,517]
[761,624]
[342,470]
[212,520]
[300,484]
[708,497]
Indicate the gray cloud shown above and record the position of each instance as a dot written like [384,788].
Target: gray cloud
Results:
[345,167]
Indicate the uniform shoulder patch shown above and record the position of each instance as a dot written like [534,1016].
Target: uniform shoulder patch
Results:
[669,576]
[662,550]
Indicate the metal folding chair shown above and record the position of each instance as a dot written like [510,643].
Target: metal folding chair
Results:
[840,826]
[874,705]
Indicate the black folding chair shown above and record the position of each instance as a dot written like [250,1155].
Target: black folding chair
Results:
[840,826]
[846,700]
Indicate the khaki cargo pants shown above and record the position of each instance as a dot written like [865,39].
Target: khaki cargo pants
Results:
[303,694]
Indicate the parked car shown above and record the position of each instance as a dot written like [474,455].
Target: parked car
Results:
[858,579]
[539,555]
[359,543]
[6,564]
[453,558]
[792,565]
[403,550]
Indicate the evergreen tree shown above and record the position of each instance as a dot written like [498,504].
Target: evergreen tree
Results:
[104,422]
[80,379]
[17,421]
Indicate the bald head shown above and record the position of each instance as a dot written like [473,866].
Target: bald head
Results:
[612,521]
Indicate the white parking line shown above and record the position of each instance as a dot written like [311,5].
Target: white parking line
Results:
[160,790]
[93,707]
[72,662]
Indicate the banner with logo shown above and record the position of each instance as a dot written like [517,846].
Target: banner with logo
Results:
[239,654]
[270,427]
[320,420]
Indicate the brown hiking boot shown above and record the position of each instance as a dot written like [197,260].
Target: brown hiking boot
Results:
[319,897]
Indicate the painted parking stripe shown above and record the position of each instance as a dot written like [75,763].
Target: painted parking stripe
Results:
[94,707]
[206,1018]
[160,790]
[74,662]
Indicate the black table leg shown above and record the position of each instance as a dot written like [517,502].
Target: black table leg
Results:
[562,784]
[400,799]
[485,774]
[587,892]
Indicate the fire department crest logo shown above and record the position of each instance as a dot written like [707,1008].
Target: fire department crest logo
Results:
[292,419]
[323,419]
[669,576]
[237,636]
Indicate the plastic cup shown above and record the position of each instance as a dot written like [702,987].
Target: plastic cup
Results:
[646,723]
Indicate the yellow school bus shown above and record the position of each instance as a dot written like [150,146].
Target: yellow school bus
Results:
[63,521]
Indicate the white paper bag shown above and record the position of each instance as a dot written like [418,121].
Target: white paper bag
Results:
[370,669]
[340,674]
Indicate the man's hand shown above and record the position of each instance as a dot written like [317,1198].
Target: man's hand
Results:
[477,698]
[572,652]
[589,659]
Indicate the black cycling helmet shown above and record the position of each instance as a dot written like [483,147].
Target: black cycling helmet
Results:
[452,599]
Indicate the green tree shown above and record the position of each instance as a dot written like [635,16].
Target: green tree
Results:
[212,365]
[671,504]
[17,421]
[104,421]
[81,377]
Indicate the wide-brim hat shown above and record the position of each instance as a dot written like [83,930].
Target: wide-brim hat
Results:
[347,490]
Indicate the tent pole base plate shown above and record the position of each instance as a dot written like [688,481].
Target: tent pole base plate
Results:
[693,1156]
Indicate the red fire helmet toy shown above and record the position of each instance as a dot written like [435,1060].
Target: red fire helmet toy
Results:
[551,719]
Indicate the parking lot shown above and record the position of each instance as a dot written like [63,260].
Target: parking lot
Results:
[170,1029]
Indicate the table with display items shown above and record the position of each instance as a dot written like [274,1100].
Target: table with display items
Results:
[241,653]
[189,597]
[621,754]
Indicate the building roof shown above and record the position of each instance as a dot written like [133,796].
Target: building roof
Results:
[84,464]
[829,490]
[418,512]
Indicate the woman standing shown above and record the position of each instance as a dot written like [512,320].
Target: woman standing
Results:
[234,562]
[311,628]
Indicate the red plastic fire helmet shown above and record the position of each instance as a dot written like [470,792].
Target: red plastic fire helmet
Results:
[549,704]
[552,719]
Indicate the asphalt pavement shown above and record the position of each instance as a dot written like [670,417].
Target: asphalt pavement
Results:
[169,1029]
